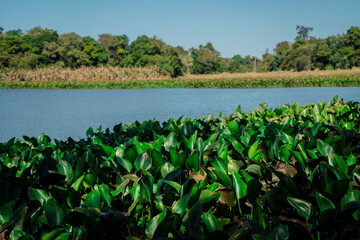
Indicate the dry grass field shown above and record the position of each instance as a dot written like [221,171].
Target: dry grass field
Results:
[116,77]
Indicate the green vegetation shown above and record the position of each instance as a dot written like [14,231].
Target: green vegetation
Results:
[108,77]
[286,173]
[40,47]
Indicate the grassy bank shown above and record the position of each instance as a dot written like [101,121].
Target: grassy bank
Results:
[118,78]
[286,173]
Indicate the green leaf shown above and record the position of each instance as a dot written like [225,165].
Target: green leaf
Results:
[105,193]
[37,194]
[180,206]
[53,234]
[77,183]
[93,199]
[166,169]
[253,152]
[323,202]
[125,164]
[6,213]
[351,197]
[90,132]
[234,127]
[224,178]
[211,222]
[324,148]
[170,141]
[238,147]
[143,161]
[157,158]
[146,188]
[173,184]
[192,217]
[154,223]
[53,212]
[254,168]
[239,186]
[63,236]
[65,168]
[345,109]
[351,160]
[304,208]
[109,151]
[280,232]
[193,162]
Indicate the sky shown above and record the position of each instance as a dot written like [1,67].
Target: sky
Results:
[233,26]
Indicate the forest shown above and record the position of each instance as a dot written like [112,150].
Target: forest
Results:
[42,47]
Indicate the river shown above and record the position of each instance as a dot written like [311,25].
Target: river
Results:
[69,113]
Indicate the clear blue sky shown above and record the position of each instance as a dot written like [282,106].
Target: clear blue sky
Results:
[232,26]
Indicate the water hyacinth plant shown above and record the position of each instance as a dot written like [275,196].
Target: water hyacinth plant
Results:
[286,173]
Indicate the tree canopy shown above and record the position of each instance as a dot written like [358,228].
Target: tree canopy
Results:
[45,47]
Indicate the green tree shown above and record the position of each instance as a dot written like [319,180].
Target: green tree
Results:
[206,60]
[303,32]
[16,32]
[96,54]
[73,55]
[116,47]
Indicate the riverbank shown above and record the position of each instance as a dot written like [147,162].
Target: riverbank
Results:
[113,78]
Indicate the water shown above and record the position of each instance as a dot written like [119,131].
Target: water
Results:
[69,113]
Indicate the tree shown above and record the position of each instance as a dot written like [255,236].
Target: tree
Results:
[116,47]
[16,32]
[303,32]
[206,60]
[96,54]
[73,55]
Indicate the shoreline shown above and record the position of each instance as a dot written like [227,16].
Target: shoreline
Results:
[109,78]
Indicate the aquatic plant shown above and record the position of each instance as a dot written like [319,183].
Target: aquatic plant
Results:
[286,173]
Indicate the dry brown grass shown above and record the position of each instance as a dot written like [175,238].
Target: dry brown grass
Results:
[118,74]
[88,74]
[276,75]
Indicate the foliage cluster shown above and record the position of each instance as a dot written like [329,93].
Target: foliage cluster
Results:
[286,173]
[44,47]
[308,53]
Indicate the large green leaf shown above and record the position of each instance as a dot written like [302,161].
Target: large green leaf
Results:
[125,164]
[105,193]
[143,161]
[53,212]
[154,223]
[211,222]
[77,183]
[239,186]
[37,194]
[109,151]
[303,207]
[65,168]
[180,206]
[93,199]
[6,213]
[146,188]
[324,148]
[170,141]
[193,162]
[90,132]
[323,202]
[253,152]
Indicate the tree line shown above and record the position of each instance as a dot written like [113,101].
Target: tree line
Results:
[45,47]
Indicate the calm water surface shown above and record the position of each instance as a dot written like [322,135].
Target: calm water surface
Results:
[69,113]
